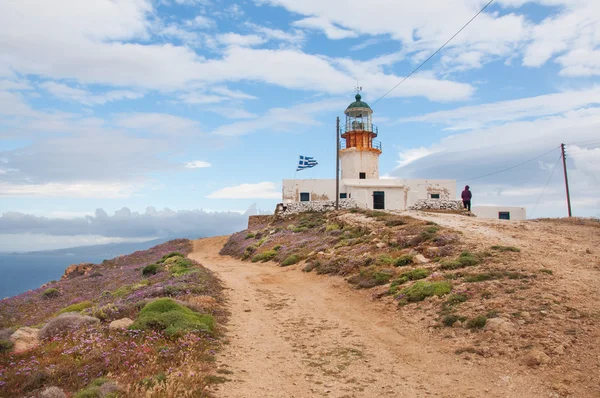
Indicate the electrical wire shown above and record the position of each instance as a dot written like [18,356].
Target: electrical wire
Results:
[546,186]
[509,168]
[433,55]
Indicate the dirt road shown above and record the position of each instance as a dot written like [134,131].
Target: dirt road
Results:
[293,334]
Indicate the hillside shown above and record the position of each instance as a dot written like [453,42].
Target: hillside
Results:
[145,324]
[517,297]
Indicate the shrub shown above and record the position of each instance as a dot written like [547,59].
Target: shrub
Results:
[404,260]
[123,291]
[332,227]
[250,236]
[291,260]
[413,275]
[171,318]
[260,242]
[65,323]
[465,259]
[264,257]
[385,259]
[76,307]
[421,290]
[456,298]
[546,271]
[277,248]
[150,269]
[395,222]
[477,322]
[482,277]
[99,388]
[172,254]
[6,345]
[449,320]
[180,267]
[506,249]
[50,293]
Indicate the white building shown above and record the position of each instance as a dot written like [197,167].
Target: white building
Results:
[359,158]
[500,212]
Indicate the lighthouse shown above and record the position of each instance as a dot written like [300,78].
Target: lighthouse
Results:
[359,151]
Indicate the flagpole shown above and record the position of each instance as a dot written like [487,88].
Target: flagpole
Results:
[337,163]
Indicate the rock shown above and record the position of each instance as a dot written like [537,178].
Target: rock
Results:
[121,323]
[420,259]
[381,245]
[66,322]
[25,339]
[536,358]
[52,392]
[560,350]
[500,325]
[75,270]
[437,204]
[323,206]
[526,315]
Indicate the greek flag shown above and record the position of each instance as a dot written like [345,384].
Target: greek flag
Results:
[306,162]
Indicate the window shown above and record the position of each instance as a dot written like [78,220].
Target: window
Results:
[304,197]
[362,176]
[343,196]
[435,196]
[504,215]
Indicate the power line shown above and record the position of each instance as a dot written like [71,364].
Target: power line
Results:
[436,51]
[546,186]
[509,168]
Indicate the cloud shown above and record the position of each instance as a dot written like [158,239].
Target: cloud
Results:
[331,31]
[236,39]
[160,123]
[470,117]
[67,190]
[127,224]
[65,92]
[261,190]
[197,164]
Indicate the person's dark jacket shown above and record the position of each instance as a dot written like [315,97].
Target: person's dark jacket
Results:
[466,195]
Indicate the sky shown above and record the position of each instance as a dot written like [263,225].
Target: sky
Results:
[136,119]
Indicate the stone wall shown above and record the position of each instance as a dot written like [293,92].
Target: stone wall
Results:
[285,209]
[258,222]
[435,204]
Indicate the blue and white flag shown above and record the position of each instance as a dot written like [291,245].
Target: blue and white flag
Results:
[306,162]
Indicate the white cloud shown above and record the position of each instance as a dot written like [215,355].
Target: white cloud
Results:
[236,39]
[470,117]
[261,190]
[160,123]
[197,164]
[331,31]
[85,97]
[68,190]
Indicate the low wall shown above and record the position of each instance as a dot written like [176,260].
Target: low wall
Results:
[286,209]
[258,222]
[436,204]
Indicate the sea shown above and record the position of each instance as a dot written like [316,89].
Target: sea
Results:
[22,272]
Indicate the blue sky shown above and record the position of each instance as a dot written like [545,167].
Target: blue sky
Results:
[204,105]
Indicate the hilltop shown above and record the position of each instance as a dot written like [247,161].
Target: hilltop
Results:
[515,297]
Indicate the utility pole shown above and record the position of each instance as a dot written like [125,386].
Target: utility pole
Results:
[337,163]
[564,158]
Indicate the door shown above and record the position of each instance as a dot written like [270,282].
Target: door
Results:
[379,200]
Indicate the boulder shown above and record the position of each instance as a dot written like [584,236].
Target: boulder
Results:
[500,325]
[420,259]
[65,323]
[75,270]
[52,392]
[25,339]
[121,323]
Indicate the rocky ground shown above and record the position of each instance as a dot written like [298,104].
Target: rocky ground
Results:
[516,299]
[142,325]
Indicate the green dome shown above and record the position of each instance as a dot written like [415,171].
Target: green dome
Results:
[358,103]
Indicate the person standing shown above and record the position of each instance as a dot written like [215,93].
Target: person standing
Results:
[466,198]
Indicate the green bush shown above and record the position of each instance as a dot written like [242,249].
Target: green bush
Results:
[6,345]
[122,291]
[466,259]
[506,249]
[172,254]
[250,235]
[413,275]
[93,390]
[171,318]
[482,277]
[50,293]
[332,227]
[385,259]
[477,322]
[264,257]
[546,271]
[77,307]
[276,248]
[180,267]
[450,320]
[456,298]
[150,269]
[404,260]
[421,290]
[291,260]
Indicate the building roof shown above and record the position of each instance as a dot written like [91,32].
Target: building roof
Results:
[358,103]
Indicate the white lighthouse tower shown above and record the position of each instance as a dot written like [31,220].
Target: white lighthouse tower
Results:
[359,151]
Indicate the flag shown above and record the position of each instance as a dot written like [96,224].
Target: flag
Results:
[306,162]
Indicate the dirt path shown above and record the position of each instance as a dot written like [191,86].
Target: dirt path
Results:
[293,334]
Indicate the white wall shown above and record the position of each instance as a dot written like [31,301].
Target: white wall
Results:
[399,194]
[516,213]
[354,161]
